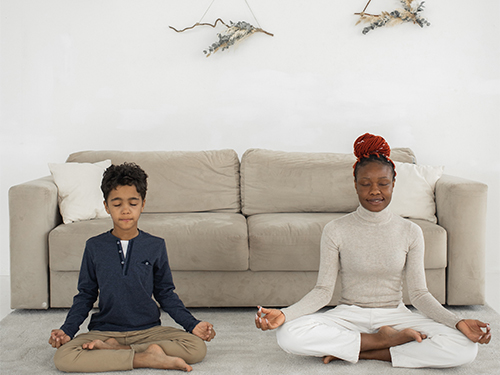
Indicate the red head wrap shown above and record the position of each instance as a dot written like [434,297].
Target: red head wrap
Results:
[369,144]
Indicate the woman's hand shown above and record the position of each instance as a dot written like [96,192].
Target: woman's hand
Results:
[204,331]
[58,338]
[266,319]
[473,330]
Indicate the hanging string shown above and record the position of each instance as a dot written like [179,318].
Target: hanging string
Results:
[363,12]
[248,5]
[204,14]
[199,23]
[366,6]
[251,11]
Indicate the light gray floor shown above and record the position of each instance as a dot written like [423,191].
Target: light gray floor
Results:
[228,356]
[492,293]
[238,349]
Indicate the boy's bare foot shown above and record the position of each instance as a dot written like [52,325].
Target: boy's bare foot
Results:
[327,359]
[155,357]
[109,344]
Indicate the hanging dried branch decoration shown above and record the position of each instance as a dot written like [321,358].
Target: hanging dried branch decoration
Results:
[409,13]
[199,24]
[235,33]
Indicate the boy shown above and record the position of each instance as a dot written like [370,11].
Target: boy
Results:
[125,267]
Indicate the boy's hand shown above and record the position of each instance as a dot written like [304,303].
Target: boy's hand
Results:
[58,338]
[204,331]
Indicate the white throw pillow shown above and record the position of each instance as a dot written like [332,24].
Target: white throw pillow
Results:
[413,195]
[79,190]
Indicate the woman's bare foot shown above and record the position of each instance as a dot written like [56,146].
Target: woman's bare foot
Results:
[387,337]
[109,344]
[327,359]
[376,345]
[155,357]
[395,337]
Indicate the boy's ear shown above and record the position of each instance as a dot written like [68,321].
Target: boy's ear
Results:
[143,204]
[106,207]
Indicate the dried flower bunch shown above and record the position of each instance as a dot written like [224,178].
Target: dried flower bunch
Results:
[235,32]
[409,13]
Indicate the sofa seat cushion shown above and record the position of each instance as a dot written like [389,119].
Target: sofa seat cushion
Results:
[181,181]
[291,242]
[195,241]
[202,241]
[67,242]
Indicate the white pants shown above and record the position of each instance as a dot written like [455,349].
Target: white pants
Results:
[337,332]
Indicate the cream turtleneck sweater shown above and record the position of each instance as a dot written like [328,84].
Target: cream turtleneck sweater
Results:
[373,252]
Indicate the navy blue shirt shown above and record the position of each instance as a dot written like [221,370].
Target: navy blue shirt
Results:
[125,286]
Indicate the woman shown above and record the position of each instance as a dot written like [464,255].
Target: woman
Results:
[373,249]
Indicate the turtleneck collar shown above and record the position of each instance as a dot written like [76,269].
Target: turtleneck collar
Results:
[381,217]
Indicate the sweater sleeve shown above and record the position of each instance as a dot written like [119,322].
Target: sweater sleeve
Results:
[167,298]
[322,293]
[420,296]
[83,302]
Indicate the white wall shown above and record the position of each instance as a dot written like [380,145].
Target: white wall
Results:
[110,74]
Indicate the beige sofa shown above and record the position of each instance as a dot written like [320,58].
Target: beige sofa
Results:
[239,234]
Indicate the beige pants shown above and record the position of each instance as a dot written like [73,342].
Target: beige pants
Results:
[71,357]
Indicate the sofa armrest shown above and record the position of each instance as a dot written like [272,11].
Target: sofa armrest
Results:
[34,212]
[461,210]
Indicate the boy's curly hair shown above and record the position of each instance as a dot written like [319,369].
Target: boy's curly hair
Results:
[124,174]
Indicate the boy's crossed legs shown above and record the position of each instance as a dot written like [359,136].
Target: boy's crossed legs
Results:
[157,347]
[153,357]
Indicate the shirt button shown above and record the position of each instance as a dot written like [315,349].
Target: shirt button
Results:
[120,251]
[122,262]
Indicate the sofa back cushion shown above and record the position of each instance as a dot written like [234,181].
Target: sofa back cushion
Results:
[181,181]
[279,181]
